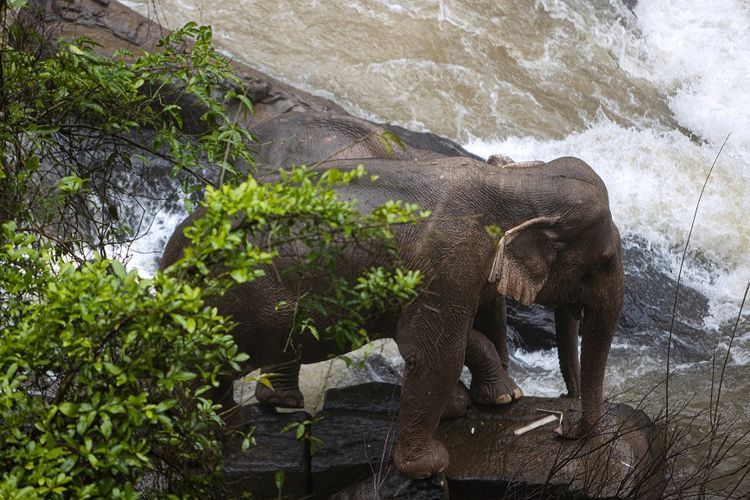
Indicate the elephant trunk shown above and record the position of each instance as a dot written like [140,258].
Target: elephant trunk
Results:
[597,329]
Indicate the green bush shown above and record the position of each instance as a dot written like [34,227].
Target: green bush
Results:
[103,372]
[102,376]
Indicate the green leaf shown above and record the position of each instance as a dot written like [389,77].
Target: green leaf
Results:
[279,479]
[75,50]
[67,408]
[70,184]
[119,269]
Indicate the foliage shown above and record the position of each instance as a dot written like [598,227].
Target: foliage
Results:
[102,376]
[251,224]
[75,125]
[103,373]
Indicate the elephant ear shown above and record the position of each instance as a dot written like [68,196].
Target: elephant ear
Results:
[523,259]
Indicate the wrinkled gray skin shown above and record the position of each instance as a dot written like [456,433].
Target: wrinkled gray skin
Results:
[292,139]
[560,248]
[307,139]
[566,319]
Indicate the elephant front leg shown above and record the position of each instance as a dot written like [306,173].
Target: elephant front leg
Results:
[597,331]
[566,328]
[490,383]
[432,369]
[284,391]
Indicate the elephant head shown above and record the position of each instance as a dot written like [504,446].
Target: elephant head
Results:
[570,258]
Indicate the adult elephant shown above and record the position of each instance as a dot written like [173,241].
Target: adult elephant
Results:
[559,247]
[297,138]
[567,317]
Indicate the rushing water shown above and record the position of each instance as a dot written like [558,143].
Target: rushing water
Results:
[646,95]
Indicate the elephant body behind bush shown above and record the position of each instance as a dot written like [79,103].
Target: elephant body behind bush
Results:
[558,246]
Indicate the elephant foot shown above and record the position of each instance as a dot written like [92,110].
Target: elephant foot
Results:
[574,426]
[570,395]
[280,397]
[458,405]
[420,460]
[499,391]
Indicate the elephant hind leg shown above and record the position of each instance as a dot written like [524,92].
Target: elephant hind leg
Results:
[458,404]
[284,391]
[490,383]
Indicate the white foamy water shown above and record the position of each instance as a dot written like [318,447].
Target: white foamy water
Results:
[146,251]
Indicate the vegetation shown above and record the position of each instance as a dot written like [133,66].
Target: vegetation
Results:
[103,373]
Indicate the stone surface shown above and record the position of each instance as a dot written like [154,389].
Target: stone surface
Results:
[649,301]
[357,429]
[374,397]
[430,141]
[487,460]
[254,470]
[396,486]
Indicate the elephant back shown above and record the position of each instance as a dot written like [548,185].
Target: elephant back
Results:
[297,138]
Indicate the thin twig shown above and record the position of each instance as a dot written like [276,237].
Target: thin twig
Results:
[729,348]
[679,277]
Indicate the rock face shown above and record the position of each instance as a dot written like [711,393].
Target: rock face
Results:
[489,461]
[258,469]
[355,432]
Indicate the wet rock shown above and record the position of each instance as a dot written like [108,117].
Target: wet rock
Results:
[531,328]
[396,486]
[255,469]
[651,292]
[357,428]
[377,398]
[430,142]
[487,459]
[373,367]
[649,304]
[355,445]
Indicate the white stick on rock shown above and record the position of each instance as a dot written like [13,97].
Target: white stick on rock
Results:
[536,423]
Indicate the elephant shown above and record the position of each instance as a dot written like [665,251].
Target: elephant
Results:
[296,138]
[558,247]
[305,138]
[566,319]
